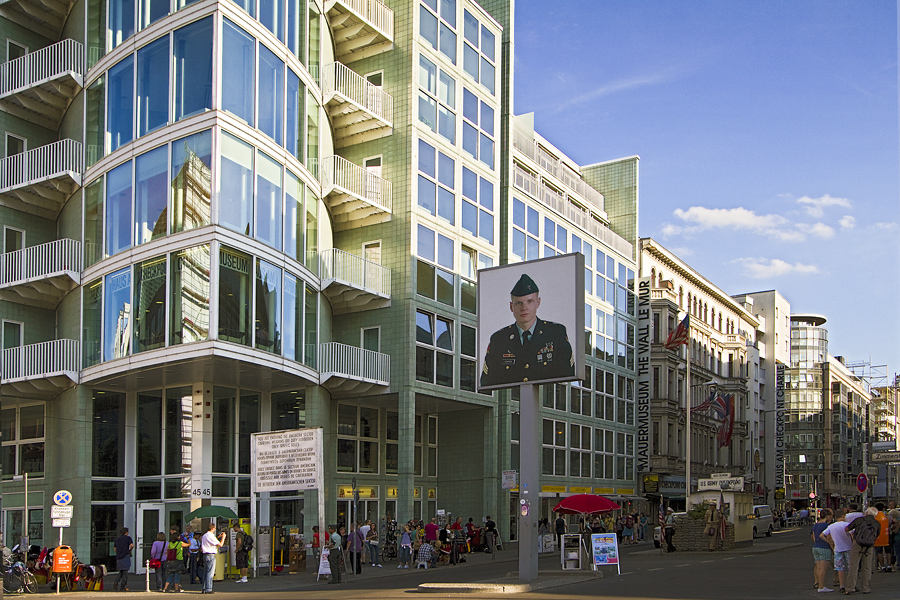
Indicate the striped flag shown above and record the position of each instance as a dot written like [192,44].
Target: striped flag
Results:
[680,335]
[706,404]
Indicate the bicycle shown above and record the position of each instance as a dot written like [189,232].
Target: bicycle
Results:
[17,578]
[389,548]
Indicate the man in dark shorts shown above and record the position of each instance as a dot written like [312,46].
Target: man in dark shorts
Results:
[242,555]
[123,545]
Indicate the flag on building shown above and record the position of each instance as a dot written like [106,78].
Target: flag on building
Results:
[680,335]
[706,404]
[727,428]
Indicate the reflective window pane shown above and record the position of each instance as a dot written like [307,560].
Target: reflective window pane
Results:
[150,195]
[234,296]
[268,200]
[189,290]
[150,304]
[238,71]
[192,47]
[191,181]
[120,102]
[268,307]
[153,85]
[236,186]
[117,318]
[271,95]
[118,209]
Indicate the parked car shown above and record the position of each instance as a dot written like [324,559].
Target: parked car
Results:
[763,522]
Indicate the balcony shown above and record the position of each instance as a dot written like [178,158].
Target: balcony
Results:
[347,369]
[39,181]
[353,283]
[359,110]
[41,275]
[40,370]
[44,17]
[361,28]
[355,196]
[39,86]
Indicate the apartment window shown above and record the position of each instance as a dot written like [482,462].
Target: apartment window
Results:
[625,344]
[150,304]
[191,176]
[370,339]
[438,27]
[357,443]
[603,338]
[192,47]
[434,349]
[433,281]
[580,450]
[271,95]
[238,70]
[479,52]
[23,441]
[526,243]
[14,145]
[153,86]
[554,447]
[604,454]
[268,334]
[150,195]
[478,128]
[269,200]
[288,410]
[235,298]
[625,400]
[437,181]
[117,315]
[117,209]
[189,295]
[432,446]
[555,238]
[467,364]
[236,175]
[437,99]
[604,395]
[478,205]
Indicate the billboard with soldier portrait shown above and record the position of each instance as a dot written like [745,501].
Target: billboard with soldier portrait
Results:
[531,322]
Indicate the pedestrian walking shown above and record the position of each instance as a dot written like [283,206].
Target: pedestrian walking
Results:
[158,554]
[123,546]
[405,548]
[209,547]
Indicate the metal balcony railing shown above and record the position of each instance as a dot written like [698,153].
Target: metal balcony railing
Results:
[53,160]
[37,361]
[65,58]
[350,362]
[361,28]
[341,80]
[338,172]
[38,262]
[356,271]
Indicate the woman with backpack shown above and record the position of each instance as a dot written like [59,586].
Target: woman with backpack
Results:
[628,530]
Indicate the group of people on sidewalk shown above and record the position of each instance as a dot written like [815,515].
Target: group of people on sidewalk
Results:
[851,544]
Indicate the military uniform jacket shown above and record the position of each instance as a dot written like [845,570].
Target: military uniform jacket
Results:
[547,356]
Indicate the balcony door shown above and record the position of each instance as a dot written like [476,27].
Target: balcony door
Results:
[15,145]
[15,50]
[11,363]
[372,254]
[374,102]
[373,184]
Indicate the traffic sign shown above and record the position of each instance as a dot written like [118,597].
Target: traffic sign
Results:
[62,512]
[61,522]
[862,483]
[62,498]
[886,457]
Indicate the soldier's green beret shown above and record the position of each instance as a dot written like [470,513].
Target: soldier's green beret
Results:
[524,286]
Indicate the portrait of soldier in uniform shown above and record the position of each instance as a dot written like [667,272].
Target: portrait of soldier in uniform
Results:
[530,349]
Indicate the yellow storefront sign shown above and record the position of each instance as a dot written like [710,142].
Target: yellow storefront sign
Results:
[558,489]
[605,491]
[580,490]
[345,491]
[625,491]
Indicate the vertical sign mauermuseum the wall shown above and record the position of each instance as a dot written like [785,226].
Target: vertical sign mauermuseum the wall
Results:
[644,379]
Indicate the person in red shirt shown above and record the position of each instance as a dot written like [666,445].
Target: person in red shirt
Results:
[431,531]
[882,549]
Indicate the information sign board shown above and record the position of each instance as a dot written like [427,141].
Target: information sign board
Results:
[287,460]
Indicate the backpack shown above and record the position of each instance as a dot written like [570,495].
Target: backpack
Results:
[629,522]
[172,553]
[866,531]
[247,544]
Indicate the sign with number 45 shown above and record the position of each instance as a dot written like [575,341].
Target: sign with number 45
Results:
[201,486]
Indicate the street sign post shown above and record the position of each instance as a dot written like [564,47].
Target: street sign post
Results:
[886,457]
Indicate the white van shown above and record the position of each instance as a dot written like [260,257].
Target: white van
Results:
[762,520]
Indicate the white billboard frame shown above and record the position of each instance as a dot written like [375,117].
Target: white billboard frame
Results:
[560,281]
[291,460]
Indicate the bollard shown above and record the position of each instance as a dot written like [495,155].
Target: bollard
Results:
[147,575]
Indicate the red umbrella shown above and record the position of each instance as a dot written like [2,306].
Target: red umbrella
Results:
[585,504]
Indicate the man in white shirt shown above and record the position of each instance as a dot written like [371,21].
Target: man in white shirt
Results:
[837,537]
[209,547]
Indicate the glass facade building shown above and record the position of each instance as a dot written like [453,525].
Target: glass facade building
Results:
[225,218]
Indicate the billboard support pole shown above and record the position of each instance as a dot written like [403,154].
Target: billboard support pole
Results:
[529,482]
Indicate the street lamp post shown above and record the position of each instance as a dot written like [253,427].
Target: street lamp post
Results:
[23,541]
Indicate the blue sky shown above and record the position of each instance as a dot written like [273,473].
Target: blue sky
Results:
[768,137]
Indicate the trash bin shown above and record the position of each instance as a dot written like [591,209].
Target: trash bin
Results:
[62,559]
[221,560]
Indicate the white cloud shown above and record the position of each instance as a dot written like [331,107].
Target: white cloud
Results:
[763,268]
[820,230]
[683,251]
[740,219]
[815,207]
[847,222]
[886,225]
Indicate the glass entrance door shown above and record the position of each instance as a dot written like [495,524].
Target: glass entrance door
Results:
[150,521]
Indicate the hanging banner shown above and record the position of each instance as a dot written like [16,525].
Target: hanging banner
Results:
[287,460]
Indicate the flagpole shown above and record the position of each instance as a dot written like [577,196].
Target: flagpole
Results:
[687,447]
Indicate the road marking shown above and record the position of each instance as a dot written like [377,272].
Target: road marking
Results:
[703,562]
[657,569]
[684,565]
[730,558]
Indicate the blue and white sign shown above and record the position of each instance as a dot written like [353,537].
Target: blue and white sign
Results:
[62,498]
